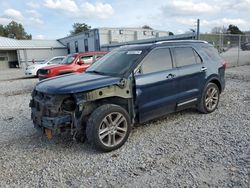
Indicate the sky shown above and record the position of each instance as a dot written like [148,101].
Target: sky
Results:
[53,19]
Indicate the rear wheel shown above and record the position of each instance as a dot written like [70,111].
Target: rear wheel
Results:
[210,99]
[108,127]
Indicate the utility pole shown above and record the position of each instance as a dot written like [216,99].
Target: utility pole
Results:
[198,29]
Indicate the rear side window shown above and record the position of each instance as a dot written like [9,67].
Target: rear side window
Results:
[212,53]
[186,56]
[87,59]
[157,60]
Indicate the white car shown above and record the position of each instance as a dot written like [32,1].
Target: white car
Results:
[32,70]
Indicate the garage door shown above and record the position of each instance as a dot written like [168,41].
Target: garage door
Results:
[4,63]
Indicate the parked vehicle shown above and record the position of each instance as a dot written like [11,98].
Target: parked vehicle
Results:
[245,46]
[32,70]
[77,62]
[132,84]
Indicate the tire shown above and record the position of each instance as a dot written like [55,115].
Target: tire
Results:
[210,99]
[102,130]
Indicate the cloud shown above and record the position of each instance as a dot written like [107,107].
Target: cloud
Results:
[86,10]
[209,24]
[13,14]
[188,7]
[224,21]
[242,5]
[66,5]
[4,21]
[100,10]
[217,22]
[36,21]
[186,21]
[33,5]
[40,37]
[34,18]
[30,17]
[33,13]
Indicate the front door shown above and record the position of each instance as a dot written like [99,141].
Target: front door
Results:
[156,85]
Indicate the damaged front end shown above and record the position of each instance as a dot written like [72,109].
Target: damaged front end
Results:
[52,114]
[57,113]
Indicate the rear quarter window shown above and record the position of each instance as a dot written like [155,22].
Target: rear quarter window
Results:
[212,53]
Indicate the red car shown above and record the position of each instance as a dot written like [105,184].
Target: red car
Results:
[77,62]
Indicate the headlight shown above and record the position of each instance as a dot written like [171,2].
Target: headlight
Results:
[69,104]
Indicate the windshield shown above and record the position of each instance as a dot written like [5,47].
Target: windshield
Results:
[68,59]
[43,62]
[116,63]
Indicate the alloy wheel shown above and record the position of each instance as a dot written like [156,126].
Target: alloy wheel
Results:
[113,129]
[212,98]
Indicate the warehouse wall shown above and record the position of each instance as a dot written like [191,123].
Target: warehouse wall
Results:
[7,57]
[82,39]
[116,35]
[98,37]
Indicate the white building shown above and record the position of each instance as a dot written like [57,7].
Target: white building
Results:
[22,52]
[94,39]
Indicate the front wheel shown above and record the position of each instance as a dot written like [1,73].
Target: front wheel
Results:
[210,99]
[108,127]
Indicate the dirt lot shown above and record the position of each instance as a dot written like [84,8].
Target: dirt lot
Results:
[181,149]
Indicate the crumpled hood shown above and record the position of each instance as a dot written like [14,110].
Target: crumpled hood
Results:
[75,83]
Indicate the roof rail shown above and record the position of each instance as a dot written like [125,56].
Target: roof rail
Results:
[177,41]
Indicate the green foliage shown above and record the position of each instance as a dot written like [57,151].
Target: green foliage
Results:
[14,30]
[2,31]
[79,27]
[233,29]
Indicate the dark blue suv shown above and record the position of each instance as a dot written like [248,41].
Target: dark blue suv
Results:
[132,84]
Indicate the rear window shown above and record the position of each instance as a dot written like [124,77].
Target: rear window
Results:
[212,53]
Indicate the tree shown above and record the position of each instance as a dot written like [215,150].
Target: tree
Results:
[147,27]
[79,27]
[2,31]
[14,30]
[233,29]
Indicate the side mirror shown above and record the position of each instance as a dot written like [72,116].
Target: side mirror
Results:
[80,62]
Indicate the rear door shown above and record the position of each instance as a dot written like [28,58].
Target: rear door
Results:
[156,87]
[192,73]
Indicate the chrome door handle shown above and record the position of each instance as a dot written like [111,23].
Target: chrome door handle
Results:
[203,68]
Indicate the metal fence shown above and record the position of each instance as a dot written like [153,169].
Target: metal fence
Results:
[235,49]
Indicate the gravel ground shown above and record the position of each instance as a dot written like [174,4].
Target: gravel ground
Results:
[178,150]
